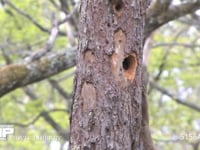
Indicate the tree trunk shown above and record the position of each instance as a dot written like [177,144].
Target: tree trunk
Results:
[107,112]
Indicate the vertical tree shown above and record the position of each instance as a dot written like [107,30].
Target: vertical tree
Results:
[109,108]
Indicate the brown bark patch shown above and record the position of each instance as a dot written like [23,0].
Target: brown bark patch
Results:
[89,56]
[120,40]
[123,66]
[88,93]
[118,55]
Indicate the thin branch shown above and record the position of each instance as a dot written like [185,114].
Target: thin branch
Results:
[26,15]
[30,93]
[66,76]
[177,99]
[164,59]
[6,57]
[69,16]
[30,18]
[175,44]
[36,118]
[162,65]
[157,14]
[60,90]
[169,140]
[49,45]
[45,114]
[196,144]
[55,4]
[60,131]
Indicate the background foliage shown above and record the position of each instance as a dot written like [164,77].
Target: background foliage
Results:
[42,108]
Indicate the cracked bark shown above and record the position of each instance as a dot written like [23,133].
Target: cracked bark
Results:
[107,104]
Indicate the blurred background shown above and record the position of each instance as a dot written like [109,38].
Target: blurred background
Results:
[42,35]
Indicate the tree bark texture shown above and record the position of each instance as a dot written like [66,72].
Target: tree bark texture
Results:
[107,104]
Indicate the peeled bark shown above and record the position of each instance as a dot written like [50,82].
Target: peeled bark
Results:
[109,90]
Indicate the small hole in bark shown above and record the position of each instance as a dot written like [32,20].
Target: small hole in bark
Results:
[133,144]
[128,61]
[125,123]
[108,24]
[85,148]
[107,42]
[107,130]
[129,65]
[89,56]
[119,6]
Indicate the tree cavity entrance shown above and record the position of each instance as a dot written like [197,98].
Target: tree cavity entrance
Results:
[128,61]
[129,65]
[117,6]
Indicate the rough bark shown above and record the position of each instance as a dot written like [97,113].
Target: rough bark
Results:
[108,94]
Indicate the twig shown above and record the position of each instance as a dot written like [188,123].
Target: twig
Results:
[45,114]
[35,119]
[49,45]
[30,18]
[26,15]
[69,16]
[177,99]
[60,90]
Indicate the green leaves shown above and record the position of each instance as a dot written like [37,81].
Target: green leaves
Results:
[174,65]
